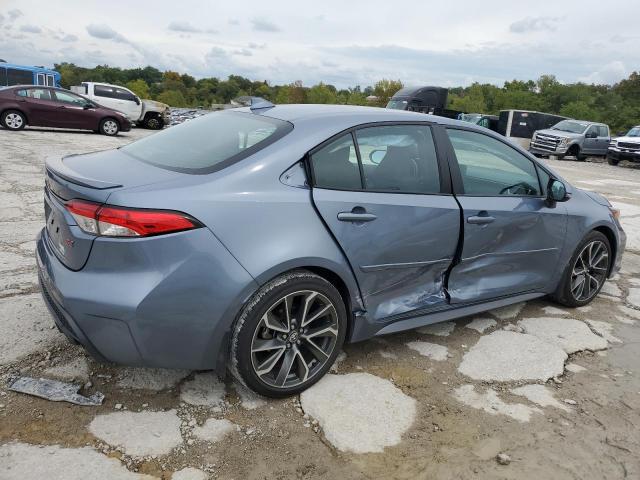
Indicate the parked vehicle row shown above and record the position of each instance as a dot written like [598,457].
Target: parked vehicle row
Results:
[574,138]
[296,228]
[55,107]
[626,147]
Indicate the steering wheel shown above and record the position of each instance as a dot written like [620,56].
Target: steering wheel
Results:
[520,188]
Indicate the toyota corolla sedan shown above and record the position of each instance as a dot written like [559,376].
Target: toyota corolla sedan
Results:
[261,239]
[39,106]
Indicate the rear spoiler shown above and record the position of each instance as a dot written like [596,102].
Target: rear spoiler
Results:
[56,166]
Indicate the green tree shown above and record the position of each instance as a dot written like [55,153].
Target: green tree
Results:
[321,93]
[173,98]
[139,87]
[384,90]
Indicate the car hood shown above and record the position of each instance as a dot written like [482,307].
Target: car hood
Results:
[154,104]
[628,139]
[559,133]
[596,197]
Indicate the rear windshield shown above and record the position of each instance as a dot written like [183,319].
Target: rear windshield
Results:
[209,143]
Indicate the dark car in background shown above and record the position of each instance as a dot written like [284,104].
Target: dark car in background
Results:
[40,106]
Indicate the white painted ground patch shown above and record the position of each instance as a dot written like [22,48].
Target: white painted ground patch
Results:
[76,369]
[214,430]
[630,312]
[21,461]
[154,379]
[431,350]
[205,389]
[139,433]
[611,289]
[540,395]
[603,329]
[481,324]
[491,403]
[575,368]
[634,297]
[443,329]
[354,425]
[569,334]
[506,356]
[189,473]
[554,311]
[249,400]
[508,312]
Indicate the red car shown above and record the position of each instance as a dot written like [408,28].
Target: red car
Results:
[40,106]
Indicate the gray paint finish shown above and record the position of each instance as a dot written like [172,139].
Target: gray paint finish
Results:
[171,300]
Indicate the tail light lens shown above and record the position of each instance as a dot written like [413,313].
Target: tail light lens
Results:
[111,221]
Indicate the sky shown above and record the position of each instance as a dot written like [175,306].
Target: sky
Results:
[452,43]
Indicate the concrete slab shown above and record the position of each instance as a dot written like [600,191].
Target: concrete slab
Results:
[76,369]
[492,404]
[509,312]
[205,389]
[443,329]
[430,350]
[354,425]
[214,430]
[481,324]
[540,395]
[506,356]
[569,334]
[154,379]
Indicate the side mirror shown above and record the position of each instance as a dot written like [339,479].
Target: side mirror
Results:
[87,106]
[376,156]
[556,192]
[137,100]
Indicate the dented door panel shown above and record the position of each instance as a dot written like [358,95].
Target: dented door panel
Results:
[400,257]
[517,251]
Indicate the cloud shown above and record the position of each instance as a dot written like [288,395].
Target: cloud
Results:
[257,46]
[69,38]
[105,32]
[179,26]
[30,29]
[608,74]
[15,13]
[234,21]
[243,51]
[262,25]
[535,24]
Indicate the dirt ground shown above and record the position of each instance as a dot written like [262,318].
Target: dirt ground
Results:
[414,414]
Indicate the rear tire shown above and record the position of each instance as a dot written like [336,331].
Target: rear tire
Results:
[109,127]
[153,122]
[586,272]
[13,120]
[288,334]
[612,161]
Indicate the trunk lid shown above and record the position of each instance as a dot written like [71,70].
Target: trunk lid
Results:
[93,177]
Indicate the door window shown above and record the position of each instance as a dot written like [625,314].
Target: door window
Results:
[593,129]
[122,94]
[399,159]
[3,77]
[41,79]
[37,93]
[490,167]
[70,98]
[50,81]
[335,165]
[103,91]
[604,131]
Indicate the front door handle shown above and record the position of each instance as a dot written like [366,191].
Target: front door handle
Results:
[480,219]
[356,215]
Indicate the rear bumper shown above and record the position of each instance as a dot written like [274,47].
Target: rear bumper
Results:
[166,302]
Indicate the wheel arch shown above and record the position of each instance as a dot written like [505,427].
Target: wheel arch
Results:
[613,243]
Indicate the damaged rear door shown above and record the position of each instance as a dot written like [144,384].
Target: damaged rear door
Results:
[386,199]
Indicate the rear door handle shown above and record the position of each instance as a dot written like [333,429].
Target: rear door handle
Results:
[356,217]
[480,219]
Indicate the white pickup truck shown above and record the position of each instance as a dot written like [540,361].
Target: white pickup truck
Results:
[144,113]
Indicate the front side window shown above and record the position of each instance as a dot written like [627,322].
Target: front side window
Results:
[121,94]
[69,98]
[492,168]
[208,143]
[335,165]
[102,91]
[604,131]
[399,158]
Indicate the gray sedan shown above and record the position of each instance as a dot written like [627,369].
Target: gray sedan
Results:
[261,239]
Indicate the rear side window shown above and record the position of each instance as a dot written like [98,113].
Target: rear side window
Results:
[491,168]
[37,93]
[3,77]
[209,143]
[604,131]
[335,165]
[399,159]
[19,77]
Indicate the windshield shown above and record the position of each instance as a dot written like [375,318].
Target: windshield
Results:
[634,132]
[398,104]
[209,143]
[571,126]
[471,117]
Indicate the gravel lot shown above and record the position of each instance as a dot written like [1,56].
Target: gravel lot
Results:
[528,391]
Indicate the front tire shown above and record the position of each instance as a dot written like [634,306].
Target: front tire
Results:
[153,122]
[109,127]
[612,161]
[288,335]
[587,271]
[13,120]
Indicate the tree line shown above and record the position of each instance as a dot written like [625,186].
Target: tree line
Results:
[617,105]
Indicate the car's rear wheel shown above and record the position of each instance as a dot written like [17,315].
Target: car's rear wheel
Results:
[288,335]
[153,122]
[13,120]
[612,161]
[110,127]
[587,271]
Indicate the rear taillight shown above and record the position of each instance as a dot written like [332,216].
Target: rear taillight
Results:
[113,221]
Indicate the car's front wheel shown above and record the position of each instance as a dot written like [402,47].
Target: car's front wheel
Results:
[13,120]
[612,161]
[587,271]
[109,127]
[288,335]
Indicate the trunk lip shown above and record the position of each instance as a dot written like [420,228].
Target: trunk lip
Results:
[55,165]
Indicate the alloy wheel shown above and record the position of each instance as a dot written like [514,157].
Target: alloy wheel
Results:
[589,270]
[294,339]
[110,127]
[13,120]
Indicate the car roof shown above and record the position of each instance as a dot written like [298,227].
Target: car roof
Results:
[303,113]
